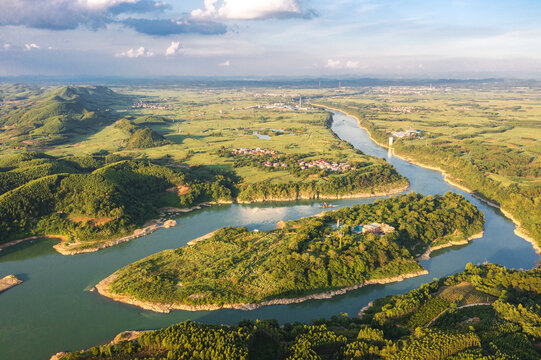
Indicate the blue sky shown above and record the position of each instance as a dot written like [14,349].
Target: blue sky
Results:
[389,38]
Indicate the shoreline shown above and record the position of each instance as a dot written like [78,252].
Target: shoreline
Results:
[103,288]
[426,255]
[362,195]
[519,231]
[35,237]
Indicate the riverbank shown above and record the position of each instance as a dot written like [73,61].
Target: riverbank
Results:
[103,288]
[519,230]
[426,255]
[362,195]
[30,238]
[8,282]
[73,248]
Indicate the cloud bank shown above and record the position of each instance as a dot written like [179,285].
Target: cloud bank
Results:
[69,14]
[164,27]
[251,10]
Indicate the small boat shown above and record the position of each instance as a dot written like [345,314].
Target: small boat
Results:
[325,206]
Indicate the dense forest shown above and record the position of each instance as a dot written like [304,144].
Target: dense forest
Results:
[470,162]
[491,313]
[96,197]
[302,256]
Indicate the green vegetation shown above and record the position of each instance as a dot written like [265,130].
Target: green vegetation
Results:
[61,189]
[486,139]
[488,332]
[95,197]
[303,256]
[57,116]
[141,138]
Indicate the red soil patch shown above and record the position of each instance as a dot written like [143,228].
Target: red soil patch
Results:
[96,221]
[180,190]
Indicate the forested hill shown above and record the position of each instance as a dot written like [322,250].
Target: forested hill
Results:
[438,321]
[95,198]
[59,114]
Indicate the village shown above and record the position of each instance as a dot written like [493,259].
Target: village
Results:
[318,164]
[257,151]
[277,106]
[325,165]
[144,105]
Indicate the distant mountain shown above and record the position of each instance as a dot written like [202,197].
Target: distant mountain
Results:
[59,114]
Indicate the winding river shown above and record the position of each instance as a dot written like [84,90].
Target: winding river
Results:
[54,311]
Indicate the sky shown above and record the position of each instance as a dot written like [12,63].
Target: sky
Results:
[258,38]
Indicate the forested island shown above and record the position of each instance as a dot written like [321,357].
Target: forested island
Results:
[485,312]
[314,257]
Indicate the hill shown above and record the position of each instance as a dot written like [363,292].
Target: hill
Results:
[60,114]
[94,198]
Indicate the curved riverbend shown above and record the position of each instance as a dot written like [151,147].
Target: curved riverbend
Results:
[55,293]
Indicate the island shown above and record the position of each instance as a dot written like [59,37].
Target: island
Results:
[8,282]
[484,312]
[95,167]
[311,258]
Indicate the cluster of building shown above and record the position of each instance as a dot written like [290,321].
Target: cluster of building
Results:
[405,133]
[374,228]
[404,109]
[144,105]
[257,151]
[278,106]
[325,165]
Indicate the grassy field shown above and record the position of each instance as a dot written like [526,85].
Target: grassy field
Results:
[506,123]
[202,122]
[486,137]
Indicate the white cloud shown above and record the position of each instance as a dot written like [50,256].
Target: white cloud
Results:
[6,46]
[173,49]
[250,9]
[352,64]
[132,53]
[333,64]
[103,4]
[338,64]
[225,63]
[29,47]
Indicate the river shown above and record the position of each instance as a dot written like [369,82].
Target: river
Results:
[54,311]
